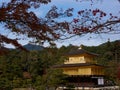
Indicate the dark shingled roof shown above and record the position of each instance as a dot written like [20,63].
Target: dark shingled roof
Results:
[79,52]
[77,65]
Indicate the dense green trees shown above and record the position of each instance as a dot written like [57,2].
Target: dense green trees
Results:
[19,69]
[34,69]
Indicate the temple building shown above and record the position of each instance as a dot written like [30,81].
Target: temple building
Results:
[83,69]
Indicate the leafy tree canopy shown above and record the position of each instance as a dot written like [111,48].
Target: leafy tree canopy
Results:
[16,16]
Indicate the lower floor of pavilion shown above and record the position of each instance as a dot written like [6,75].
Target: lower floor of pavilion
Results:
[87,81]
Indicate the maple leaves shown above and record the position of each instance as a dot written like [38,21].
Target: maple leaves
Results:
[13,41]
[18,19]
[102,14]
[15,16]
[88,21]
[94,21]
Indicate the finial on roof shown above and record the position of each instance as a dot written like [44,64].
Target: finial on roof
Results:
[108,39]
[80,46]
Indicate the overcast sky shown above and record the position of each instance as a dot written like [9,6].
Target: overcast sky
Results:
[109,6]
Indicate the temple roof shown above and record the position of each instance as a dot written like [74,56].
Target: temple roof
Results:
[80,51]
[77,65]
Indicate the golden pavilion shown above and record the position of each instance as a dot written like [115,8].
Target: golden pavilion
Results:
[82,69]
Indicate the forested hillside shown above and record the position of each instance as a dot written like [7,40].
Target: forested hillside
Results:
[109,55]
[107,51]
[35,68]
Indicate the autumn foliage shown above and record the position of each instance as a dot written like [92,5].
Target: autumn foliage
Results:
[17,17]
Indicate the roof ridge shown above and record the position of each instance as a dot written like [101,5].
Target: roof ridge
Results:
[80,51]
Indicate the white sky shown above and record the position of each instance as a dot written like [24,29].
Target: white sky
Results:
[89,39]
